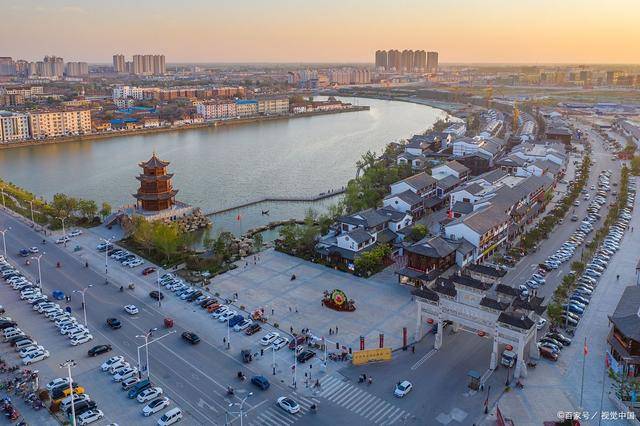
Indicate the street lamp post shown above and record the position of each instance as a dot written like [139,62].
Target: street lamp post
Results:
[37,258]
[240,405]
[31,204]
[159,293]
[4,241]
[107,241]
[84,305]
[62,219]
[146,346]
[68,364]
[228,336]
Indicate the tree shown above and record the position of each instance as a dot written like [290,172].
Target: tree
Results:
[372,261]
[554,310]
[258,240]
[143,233]
[88,209]
[105,210]
[418,232]
[167,238]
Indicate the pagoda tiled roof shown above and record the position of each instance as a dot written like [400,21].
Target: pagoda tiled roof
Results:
[142,177]
[160,196]
[154,162]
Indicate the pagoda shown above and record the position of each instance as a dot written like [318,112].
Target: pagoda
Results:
[156,191]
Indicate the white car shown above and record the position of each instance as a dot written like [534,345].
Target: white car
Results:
[244,324]
[541,323]
[62,240]
[131,309]
[402,388]
[125,374]
[81,339]
[30,350]
[279,343]
[268,338]
[155,406]
[149,394]
[60,381]
[134,263]
[221,310]
[288,405]
[37,356]
[75,233]
[90,417]
[111,361]
[118,367]
[227,316]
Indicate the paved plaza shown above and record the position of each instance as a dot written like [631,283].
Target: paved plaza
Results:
[382,306]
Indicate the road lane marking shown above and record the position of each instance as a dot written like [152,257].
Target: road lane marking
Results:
[424,359]
[203,404]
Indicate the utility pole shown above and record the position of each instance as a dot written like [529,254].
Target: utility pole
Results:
[68,364]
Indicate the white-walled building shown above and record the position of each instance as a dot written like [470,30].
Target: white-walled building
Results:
[273,106]
[13,127]
[124,92]
[217,110]
[51,124]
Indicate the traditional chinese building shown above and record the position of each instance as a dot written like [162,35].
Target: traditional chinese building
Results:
[156,191]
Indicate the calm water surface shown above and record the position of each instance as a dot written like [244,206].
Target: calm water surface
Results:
[217,168]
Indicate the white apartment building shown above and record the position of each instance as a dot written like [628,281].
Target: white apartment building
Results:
[124,92]
[273,106]
[217,110]
[51,124]
[13,126]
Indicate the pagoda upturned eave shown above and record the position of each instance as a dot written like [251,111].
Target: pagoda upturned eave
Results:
[154,177]
[154,162]
[152,197]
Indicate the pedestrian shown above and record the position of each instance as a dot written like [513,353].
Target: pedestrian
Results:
[322,303]
[291,329]
[336,329]
[262,311]
[296,309]
[224,340]
[289,308]
[413,349]
[272,312]
[370,380]
[330,332]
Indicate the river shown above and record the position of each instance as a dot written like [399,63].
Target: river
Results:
[217,168]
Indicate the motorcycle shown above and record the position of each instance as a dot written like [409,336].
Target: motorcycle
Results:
[241,376]
[230,391]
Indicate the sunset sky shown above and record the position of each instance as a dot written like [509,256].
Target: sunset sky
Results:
[531,31]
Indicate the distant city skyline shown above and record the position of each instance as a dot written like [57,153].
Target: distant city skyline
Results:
[199,31]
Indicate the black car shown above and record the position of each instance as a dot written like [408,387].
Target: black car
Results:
[81,407]
[156,295]
[191,337]
[194,296]
[98,350]
[252,329]
[306,356]
[114,323]
[207,303]
[59,391]
[15,339]
[7,324]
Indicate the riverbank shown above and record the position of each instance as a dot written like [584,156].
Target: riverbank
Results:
[139,132]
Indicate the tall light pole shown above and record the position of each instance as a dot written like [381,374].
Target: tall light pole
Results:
[31,204]
[62,219]
[241,404]
[4,241]
[84,305]
[159,293]
[107,241]
[37,258]
[68,364]
[146,345]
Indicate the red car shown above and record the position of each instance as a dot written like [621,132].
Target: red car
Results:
[148,270]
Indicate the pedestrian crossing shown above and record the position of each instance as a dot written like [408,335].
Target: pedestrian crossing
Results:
[276,416]
[357,400]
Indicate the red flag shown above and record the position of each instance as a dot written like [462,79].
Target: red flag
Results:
[586,349]
[238,218]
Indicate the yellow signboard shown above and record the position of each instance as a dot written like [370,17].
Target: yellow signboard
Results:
[371,355]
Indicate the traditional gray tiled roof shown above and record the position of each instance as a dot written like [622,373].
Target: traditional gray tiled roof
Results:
[492,176]
[493,304]
[470,282]
[487,270]
[508,290]
[448,182]
[386,236]
[464,246]
[425,293]
[434,247]
[474,188]
[446,287]
[483,220]
[626,317]
[359,235]
[460,168]
[391,213]
[366,218]
[407,196]
[420,181]
[519,321]
[462,207]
